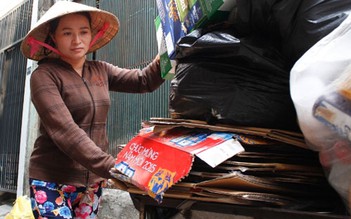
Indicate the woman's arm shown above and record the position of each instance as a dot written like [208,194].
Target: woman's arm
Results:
[143,80]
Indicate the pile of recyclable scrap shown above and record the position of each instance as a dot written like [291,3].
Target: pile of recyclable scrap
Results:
[239,73]
[272,169]
[230,72]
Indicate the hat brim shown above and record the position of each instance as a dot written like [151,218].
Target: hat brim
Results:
[40,31]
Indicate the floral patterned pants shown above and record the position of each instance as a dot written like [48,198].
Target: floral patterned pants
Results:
[51,200]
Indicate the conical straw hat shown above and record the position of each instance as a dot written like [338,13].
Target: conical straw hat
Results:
[99,20]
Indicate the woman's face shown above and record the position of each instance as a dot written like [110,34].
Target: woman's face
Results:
[72,37]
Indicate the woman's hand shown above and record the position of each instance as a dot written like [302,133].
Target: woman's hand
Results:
[157,58]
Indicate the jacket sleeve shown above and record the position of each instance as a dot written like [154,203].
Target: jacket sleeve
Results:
[61,127]
[143,80]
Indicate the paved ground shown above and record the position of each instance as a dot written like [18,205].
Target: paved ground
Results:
[4,210]
[117,204]
[6,200]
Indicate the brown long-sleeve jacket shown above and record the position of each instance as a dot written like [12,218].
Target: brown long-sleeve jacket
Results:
[72,146]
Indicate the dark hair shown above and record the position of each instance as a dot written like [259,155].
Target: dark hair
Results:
[53,26]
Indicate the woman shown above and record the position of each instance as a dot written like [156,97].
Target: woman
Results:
[69,163]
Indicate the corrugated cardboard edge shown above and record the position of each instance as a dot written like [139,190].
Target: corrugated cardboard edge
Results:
[292,138]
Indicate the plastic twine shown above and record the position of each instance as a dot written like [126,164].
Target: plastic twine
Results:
[100,34]
[35,46]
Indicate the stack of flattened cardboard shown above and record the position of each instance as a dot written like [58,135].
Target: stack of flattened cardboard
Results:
[275,169]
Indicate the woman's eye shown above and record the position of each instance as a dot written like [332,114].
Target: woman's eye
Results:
[85,32]
[66,33]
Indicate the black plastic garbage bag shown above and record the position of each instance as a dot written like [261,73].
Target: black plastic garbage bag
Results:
[314,20]
[295,25]
[220,78]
